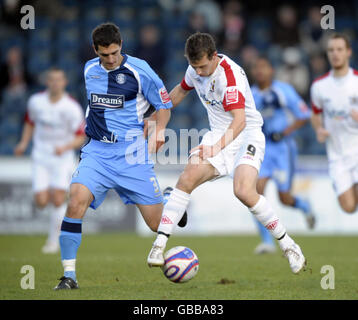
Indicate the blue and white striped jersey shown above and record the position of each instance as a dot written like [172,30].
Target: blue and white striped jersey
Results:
[118,99]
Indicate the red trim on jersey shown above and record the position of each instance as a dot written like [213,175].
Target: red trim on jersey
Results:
[28,120]
[239,105]
[315,109]
[81,129]
[322,77]
[231,82]
[355,72]
[185,86]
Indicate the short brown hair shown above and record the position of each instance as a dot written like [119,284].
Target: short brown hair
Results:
[339,35]
[105,34]
[199,44]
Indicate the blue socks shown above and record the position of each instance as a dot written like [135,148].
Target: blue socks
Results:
[302,204]
[70,240]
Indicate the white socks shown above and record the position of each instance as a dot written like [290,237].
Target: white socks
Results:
[172,213]
[56,217]
[264,213]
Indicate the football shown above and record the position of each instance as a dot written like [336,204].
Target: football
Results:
[181,264]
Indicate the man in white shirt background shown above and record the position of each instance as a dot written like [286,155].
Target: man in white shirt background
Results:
[334,98]
[54,121]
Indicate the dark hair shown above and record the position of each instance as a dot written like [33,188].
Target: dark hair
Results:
[105,34]
[199,44]
[339,35]
[265,58]
[55,69]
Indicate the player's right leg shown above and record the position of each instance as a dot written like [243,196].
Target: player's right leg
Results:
[345,181]
[348,200]
[195,173]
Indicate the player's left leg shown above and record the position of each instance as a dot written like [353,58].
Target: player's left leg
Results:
[267,244]
[61,172]
[245,179]
[58,198]
[297,202]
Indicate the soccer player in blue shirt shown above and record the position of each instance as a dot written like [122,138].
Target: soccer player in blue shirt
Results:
[276,101]
[120,89]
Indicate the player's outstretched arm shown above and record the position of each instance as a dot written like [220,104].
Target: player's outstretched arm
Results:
[25,139]
[177,95]
[321,133]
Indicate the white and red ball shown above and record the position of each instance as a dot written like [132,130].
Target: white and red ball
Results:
[181,264]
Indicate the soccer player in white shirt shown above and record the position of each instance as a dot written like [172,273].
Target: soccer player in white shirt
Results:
[55,123]
[334,98]
[234,146]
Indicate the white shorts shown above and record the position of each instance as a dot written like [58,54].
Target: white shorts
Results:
[344,173]
[247,148]
[52,174]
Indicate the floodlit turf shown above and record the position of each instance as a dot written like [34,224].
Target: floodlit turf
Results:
[113,266]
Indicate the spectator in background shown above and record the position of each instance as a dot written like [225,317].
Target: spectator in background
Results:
[294,71]
[318,65]
[285,30]
[248,56]
[197,23]
[10,15]
[150,48]
[312,36]
[210,10]
[14,78]
[232,36]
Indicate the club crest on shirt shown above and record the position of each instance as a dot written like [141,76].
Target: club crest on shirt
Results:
[121,78]
[212,86]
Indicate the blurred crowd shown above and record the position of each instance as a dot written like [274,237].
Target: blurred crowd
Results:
[155,30]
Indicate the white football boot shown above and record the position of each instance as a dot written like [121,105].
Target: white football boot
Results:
[295,258]
[156,256]
[50,248]
[264,248]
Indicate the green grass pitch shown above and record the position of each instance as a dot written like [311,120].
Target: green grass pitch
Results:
[113,266]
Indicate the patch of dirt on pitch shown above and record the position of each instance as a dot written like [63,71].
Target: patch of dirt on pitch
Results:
[226,281]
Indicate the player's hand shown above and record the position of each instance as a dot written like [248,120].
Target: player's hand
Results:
[354,115]
[322,134]
[277,136]
[156,140]
[60,150]
[205,151]
[146,129]
[20,149]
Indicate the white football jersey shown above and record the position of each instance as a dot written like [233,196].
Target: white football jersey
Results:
[225,89]
[335,98]
[56,124]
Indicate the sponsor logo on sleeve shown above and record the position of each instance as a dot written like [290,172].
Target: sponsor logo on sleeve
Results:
[232,95]
[164,96]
